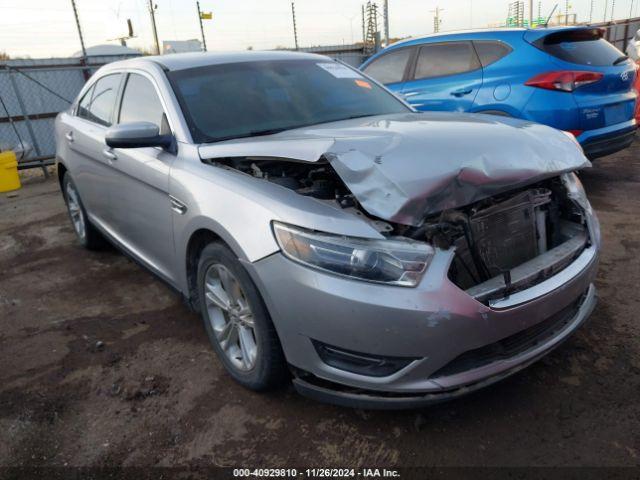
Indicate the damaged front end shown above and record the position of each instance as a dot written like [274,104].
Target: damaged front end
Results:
[499,245]
[514,241]
[504,202]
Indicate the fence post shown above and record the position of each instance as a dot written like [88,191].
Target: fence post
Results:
[27,120]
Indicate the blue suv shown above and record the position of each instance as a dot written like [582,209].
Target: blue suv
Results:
[569,78]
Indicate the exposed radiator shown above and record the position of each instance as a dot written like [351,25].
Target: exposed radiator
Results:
[506,235]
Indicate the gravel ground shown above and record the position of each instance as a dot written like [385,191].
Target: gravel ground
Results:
[102,365]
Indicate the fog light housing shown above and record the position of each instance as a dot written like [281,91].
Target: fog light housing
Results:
[360,363]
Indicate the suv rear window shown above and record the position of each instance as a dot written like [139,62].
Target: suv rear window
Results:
[583,47]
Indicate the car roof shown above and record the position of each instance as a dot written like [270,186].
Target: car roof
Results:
[482,33]
[182,61]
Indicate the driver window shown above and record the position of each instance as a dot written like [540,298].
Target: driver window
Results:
[140,103]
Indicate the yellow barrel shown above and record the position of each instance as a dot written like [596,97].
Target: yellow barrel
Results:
[9,179]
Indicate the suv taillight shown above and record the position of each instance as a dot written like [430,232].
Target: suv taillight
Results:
[564,81]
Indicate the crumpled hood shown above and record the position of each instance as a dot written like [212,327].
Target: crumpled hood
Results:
[404,167]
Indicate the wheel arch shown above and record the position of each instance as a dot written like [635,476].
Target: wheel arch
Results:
[202,232]
[496,112]
[198,240]
[61,169]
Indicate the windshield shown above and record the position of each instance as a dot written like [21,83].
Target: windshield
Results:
[258,98]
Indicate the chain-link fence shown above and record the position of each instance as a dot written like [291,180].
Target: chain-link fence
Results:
[353,55]
[32,92]
[619,32]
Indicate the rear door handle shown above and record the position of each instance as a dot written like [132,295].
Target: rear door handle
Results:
[69,136]
[462,91]
[109,155]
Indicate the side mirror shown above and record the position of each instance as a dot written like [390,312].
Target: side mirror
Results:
[136,135]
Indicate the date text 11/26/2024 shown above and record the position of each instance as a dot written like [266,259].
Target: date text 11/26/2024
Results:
[316,473]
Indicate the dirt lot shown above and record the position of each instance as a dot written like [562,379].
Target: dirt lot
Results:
[101,364]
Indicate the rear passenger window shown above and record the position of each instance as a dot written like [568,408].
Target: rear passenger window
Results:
[491,51]
[99,107]
[389,68]
[140,103]
[83,106]
[443,59]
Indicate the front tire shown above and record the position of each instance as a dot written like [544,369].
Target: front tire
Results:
[237,322]
[88,236]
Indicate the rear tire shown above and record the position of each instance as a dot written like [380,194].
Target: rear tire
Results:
[237,321]
[88,236]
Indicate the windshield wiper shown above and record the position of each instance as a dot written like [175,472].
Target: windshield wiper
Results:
[621,59]
[268,131]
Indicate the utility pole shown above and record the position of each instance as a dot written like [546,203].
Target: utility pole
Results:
[613,6]
[591,11]
[152,8]
[530,13]
[75,13]
[606,7]
[386,22]
[364,38]
[295,28]
[372,36]
[436,19]
[204,40]
[566,12]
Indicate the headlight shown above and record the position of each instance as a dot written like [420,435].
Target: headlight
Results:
[394,262]
[575,192]
[572,137]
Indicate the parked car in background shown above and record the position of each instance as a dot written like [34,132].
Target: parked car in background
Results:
[633,52]
[569,78]
[325,230]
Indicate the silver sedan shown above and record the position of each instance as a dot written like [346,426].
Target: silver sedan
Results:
[328,233]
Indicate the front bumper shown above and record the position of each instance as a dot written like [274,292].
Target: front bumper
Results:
[435,323]
[354,398]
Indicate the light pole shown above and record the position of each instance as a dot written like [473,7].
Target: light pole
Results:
[204,40]
[153,26]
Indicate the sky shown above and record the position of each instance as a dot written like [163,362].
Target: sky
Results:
[45,28]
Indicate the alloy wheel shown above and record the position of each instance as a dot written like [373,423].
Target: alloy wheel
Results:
[230,317]
[75,211]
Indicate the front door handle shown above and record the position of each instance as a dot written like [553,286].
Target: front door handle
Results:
[462,91]
[69,136]
[109,155]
